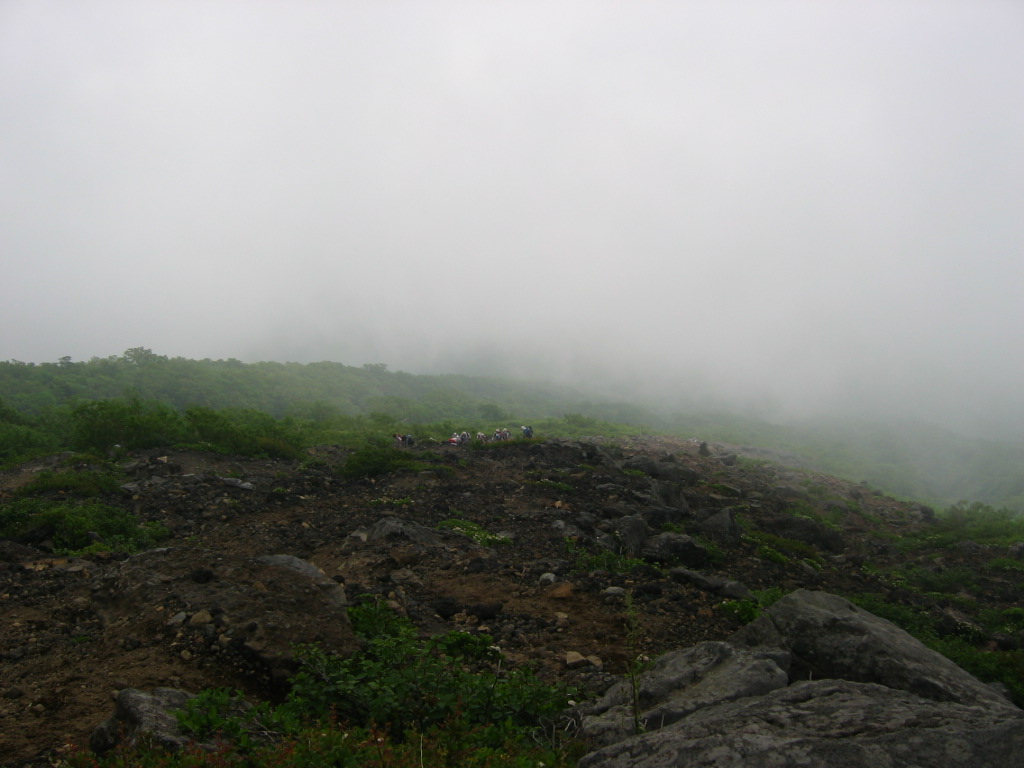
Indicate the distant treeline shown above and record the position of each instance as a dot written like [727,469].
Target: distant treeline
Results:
[142,400]
[229,404]
[304,390]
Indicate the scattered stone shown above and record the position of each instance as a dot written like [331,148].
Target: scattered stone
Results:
[575,660]
[561,591]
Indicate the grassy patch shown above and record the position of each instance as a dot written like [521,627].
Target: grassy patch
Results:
[600,560]
[747,610]
[75,483]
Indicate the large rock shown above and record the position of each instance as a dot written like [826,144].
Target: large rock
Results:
[826,724]
[722,527]
[830,637]
[815,682]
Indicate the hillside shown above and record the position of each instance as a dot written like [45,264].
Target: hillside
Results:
[907,459]
[552,547]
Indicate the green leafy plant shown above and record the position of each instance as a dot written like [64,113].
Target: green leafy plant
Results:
[127,422]
[771,554]
[637,661]
[1006,565]
[218,713]
[475,531]
[748,609]
[407,683]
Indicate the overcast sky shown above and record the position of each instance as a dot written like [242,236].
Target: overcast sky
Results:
[799,205]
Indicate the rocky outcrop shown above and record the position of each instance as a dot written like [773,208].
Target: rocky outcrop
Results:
[681,683]
[815,681]
[825,724]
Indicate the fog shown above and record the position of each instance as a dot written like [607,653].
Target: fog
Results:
[789,207]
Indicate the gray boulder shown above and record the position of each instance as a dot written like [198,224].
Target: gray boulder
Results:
[139,715]
[674,548]
[392,529]
[681,683]
[631,532]
[722,527]
[830,637]
[814,682]
[825,724]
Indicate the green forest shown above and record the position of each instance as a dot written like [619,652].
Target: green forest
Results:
[141,399]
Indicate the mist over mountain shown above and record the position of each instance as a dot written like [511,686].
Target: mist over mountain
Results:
[790,210]
[902,456]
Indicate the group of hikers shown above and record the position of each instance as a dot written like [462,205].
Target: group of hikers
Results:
[463,438]
[500,434]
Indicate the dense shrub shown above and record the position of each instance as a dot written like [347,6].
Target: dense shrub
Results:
[373,461]
[131,423]
[245,432]
[76,526]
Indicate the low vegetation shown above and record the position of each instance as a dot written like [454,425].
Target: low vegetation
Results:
[403,700]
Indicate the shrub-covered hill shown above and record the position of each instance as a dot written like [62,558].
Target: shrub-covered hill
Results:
[575,557]
[907,459]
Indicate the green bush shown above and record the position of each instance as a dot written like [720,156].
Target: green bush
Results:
[76,527]
[1006,565]
[19,442]
[245,432]
[373,461]
[402,701]
[976,522]
[772,555]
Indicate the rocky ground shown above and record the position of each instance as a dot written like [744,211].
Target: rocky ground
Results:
[232,588]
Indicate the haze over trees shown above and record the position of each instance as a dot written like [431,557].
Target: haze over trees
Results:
[281,407]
